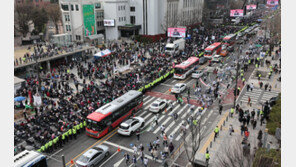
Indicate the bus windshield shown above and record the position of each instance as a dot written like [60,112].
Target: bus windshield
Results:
[179,71]
[96,126]
[208,52]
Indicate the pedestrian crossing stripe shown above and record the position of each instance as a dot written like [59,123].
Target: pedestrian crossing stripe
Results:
[184,110]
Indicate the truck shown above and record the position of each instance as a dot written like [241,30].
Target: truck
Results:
[178,44]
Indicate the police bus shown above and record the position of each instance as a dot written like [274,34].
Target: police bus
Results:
[30,159]
[107,117]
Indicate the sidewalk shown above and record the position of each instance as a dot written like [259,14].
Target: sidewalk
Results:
[225,141]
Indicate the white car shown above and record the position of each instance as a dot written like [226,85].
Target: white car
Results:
[179,87]
[197,74]
[216,58]
[158,105]
[93,156]
[131,125]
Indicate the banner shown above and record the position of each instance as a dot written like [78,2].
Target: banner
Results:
[272,3]
[177,32]
[89,20]
[37,100]
[109,23]
[251,7]
[237,13]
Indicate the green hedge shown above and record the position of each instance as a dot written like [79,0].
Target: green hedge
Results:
[274,117]
[267,158]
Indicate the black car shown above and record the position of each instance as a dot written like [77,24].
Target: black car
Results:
[272,101]
[202,60]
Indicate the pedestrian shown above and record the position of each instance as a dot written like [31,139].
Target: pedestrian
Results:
[259,137]
[247,133]
[127,158]
[142,156]
[252,87]
[261,84]
[249,101]
[162,129]
[207,157]
[138,135]
[146,162]
[248,87]
[266,86]
[155,154]
[220,109]
[216,131]
[156,119]
[165,140]
[157,142]
[242,129]
[269,88]
[134,160]
[231,112]
[135,149]
[231,129]
[254,124]
[175,116]
[171,148]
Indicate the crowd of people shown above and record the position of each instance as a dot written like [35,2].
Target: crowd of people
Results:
[64,105]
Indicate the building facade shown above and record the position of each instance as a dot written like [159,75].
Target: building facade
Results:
[130,17]
[74,21]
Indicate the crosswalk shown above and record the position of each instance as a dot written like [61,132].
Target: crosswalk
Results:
[267,95]
[258,96]
[172,127]
[254,95]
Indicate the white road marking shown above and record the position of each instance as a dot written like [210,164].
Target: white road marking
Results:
[118,163]
[167,120]
[128,149]
[109,159]
[149,100]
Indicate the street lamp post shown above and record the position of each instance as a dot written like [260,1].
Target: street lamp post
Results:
[236,79]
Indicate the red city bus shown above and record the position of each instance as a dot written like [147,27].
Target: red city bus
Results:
[109,116]
[185,68]
[212,50]
[229,39]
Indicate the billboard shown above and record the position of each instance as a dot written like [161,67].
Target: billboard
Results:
[237,13]
[89,20]
[251,7]
[177,32]
[272,3]
[109,23]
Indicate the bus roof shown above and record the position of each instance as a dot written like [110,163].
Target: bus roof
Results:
[229,36]
[214,45]
[107,109]
[27,158]
[187,63]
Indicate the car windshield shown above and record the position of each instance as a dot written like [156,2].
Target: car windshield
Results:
[124,126]
[154,105]
[196,72]
[83,159]
[177,86]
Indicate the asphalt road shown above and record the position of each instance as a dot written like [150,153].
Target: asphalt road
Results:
[210,117]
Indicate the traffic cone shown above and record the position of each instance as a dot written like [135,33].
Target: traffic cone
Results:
[72,162]
[165,110]
[170,90]
[118,149]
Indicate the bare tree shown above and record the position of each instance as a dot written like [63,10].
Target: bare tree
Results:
[54,14]
[23,16]
[235,155]
[193,140]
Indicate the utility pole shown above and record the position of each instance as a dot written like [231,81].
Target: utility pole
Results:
[236,78]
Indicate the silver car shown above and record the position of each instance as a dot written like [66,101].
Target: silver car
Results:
[93,156]
[197,74]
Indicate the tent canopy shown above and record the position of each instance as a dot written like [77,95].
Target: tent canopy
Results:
[18,80]
[103,53]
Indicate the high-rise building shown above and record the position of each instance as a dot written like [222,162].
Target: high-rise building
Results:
[125,18]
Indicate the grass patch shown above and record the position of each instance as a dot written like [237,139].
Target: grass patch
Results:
[264,158]
[274,117]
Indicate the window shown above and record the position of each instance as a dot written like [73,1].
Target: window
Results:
[98,5]
[72,7]
[65,7]
[133,9]
[78,38]
[123,7]
[118,8]
[67,18]
[69,28]
[124,18]
[133,19]
[77,9]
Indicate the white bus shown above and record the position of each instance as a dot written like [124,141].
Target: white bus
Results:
[30,159]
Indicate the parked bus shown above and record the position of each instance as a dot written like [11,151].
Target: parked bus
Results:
[30,159]
[229,39]
[212,50]
[185,68]
[107,117]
